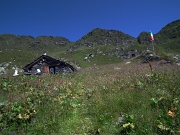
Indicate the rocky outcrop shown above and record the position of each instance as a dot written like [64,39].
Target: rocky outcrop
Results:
[106,37]
[123,54]
[3,67]
[59,41]
[144,38]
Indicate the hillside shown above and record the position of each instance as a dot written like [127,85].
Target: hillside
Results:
[106,37]
[98,47]
[114,99]
[10,41]
[107,46]
[169,32]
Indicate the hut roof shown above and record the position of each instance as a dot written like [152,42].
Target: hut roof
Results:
[49,61]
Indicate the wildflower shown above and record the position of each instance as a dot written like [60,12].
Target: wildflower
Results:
[55,99]
[31,89]
[128,124]
[150,65]
[132,125]
[26,116]
[161,126]
[148,75]
[171,112]
[20,116]
[34,111]
[10,97]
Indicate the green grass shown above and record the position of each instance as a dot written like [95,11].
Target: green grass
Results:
[173,46]
[20,56]
[91,101]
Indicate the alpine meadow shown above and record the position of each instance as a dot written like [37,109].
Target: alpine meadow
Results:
[106,83]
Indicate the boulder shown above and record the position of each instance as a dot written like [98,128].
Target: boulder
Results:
[2,71]
[3,67]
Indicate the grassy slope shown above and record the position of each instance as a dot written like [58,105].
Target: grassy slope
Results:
[20,57]
[91,101]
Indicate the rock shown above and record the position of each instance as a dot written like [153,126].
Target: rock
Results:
[2,71]
[15,73]
[177,57]
[144,38]
[178,64]
[106,37]
[128,62]
[2,104]
[117,68]
[121,120]
[85,58]
[4,64]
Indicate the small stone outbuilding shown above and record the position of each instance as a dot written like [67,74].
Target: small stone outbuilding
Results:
[46,64]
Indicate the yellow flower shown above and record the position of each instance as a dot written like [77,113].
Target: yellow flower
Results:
[34,111]
[55,99]
[171,112]
[20,116]
[132,125]
[162,127]
[31,88]
[26,116]
[126,125]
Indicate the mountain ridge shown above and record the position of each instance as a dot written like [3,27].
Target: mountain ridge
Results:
[96,36]
[100,46]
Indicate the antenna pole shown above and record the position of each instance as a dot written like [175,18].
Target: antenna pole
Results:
[153,45]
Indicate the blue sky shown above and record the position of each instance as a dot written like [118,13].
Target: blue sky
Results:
[73,19]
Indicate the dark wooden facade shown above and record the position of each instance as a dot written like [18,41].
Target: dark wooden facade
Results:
[46,64]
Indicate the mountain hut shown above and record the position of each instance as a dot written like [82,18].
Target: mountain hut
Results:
[46,64]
